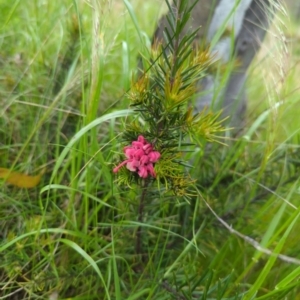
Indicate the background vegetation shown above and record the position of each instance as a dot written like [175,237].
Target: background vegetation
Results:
[65,66]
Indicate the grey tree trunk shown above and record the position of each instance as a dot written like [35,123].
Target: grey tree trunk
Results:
[241,26]
[294,8]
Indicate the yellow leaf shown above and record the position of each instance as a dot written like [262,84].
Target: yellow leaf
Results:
[19,179]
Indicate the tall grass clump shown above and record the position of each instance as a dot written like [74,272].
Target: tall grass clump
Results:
[141,197]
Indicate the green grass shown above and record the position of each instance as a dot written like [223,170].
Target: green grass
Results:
[65,66]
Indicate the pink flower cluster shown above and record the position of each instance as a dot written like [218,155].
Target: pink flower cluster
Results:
[140,158]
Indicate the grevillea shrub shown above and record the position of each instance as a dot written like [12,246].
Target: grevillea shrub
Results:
[165,125]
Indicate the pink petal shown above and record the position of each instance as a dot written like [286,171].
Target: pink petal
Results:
[154,156]
[143,172]
[144,160]
[141,139]
[137,145]
[132,165]
[129,152]
[138,154]
[151,170]
[117,168]
[147,148]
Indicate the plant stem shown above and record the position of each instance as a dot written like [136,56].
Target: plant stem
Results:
[138,246]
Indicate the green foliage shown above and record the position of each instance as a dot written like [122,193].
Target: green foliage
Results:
[74,237]
[161,98]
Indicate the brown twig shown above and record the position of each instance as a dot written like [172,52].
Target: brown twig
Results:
[172,291]
[251,241]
